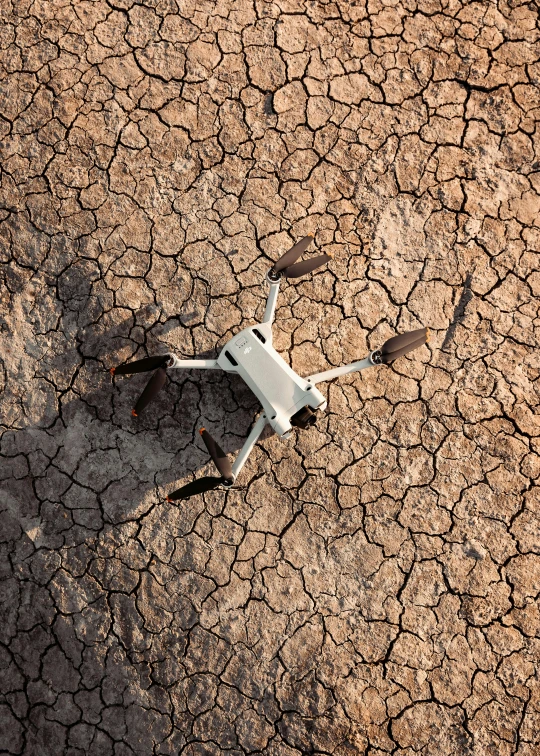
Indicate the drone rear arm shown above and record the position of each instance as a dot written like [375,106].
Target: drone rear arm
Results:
[249,443]
[353,367]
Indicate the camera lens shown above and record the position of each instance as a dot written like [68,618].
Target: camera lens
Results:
[303,418]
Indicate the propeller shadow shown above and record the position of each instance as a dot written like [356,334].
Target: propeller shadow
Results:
[459,311]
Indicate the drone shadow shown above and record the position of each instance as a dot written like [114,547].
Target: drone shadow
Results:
[105,466]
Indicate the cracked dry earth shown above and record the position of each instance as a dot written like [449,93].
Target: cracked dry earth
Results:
[371,585]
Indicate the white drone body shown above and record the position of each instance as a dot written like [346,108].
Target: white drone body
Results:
[287,399]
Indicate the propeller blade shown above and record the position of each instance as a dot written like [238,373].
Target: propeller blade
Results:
[293,254]
[306,266]
[403,340]
[195,487]
[141,366]
[219,457]
[387,358]
[155,384]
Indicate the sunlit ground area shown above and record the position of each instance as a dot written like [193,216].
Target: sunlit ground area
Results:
[369,586]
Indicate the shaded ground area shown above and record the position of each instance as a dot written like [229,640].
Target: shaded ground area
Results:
[370,586]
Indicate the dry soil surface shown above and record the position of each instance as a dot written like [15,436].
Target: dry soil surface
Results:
[371,585]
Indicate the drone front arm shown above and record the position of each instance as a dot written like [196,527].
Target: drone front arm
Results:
[189,364]
[353,367]
[271,301]
[249,443]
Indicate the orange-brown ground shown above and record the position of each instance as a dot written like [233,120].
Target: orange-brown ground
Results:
[370,586]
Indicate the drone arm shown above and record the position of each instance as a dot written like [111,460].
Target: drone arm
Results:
[353,367]
[271,301]
[249,443]
[189,364]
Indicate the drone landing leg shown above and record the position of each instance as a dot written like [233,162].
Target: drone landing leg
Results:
[250,442]
[353,367]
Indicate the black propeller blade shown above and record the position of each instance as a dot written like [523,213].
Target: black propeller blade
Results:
[156,382]
[293,254]
[219,457]
[403,340]
[141,366]
[306,266]
[391,356]
[154,385]
[208,483]
[195,487]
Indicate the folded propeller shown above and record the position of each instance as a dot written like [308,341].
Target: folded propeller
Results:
[154,385]
[201,485]
[397,346]
[286,263]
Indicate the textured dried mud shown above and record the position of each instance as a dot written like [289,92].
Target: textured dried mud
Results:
[370,586]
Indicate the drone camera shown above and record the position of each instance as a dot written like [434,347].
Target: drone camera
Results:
[304,418]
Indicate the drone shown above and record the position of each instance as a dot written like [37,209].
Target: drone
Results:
[288,400]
